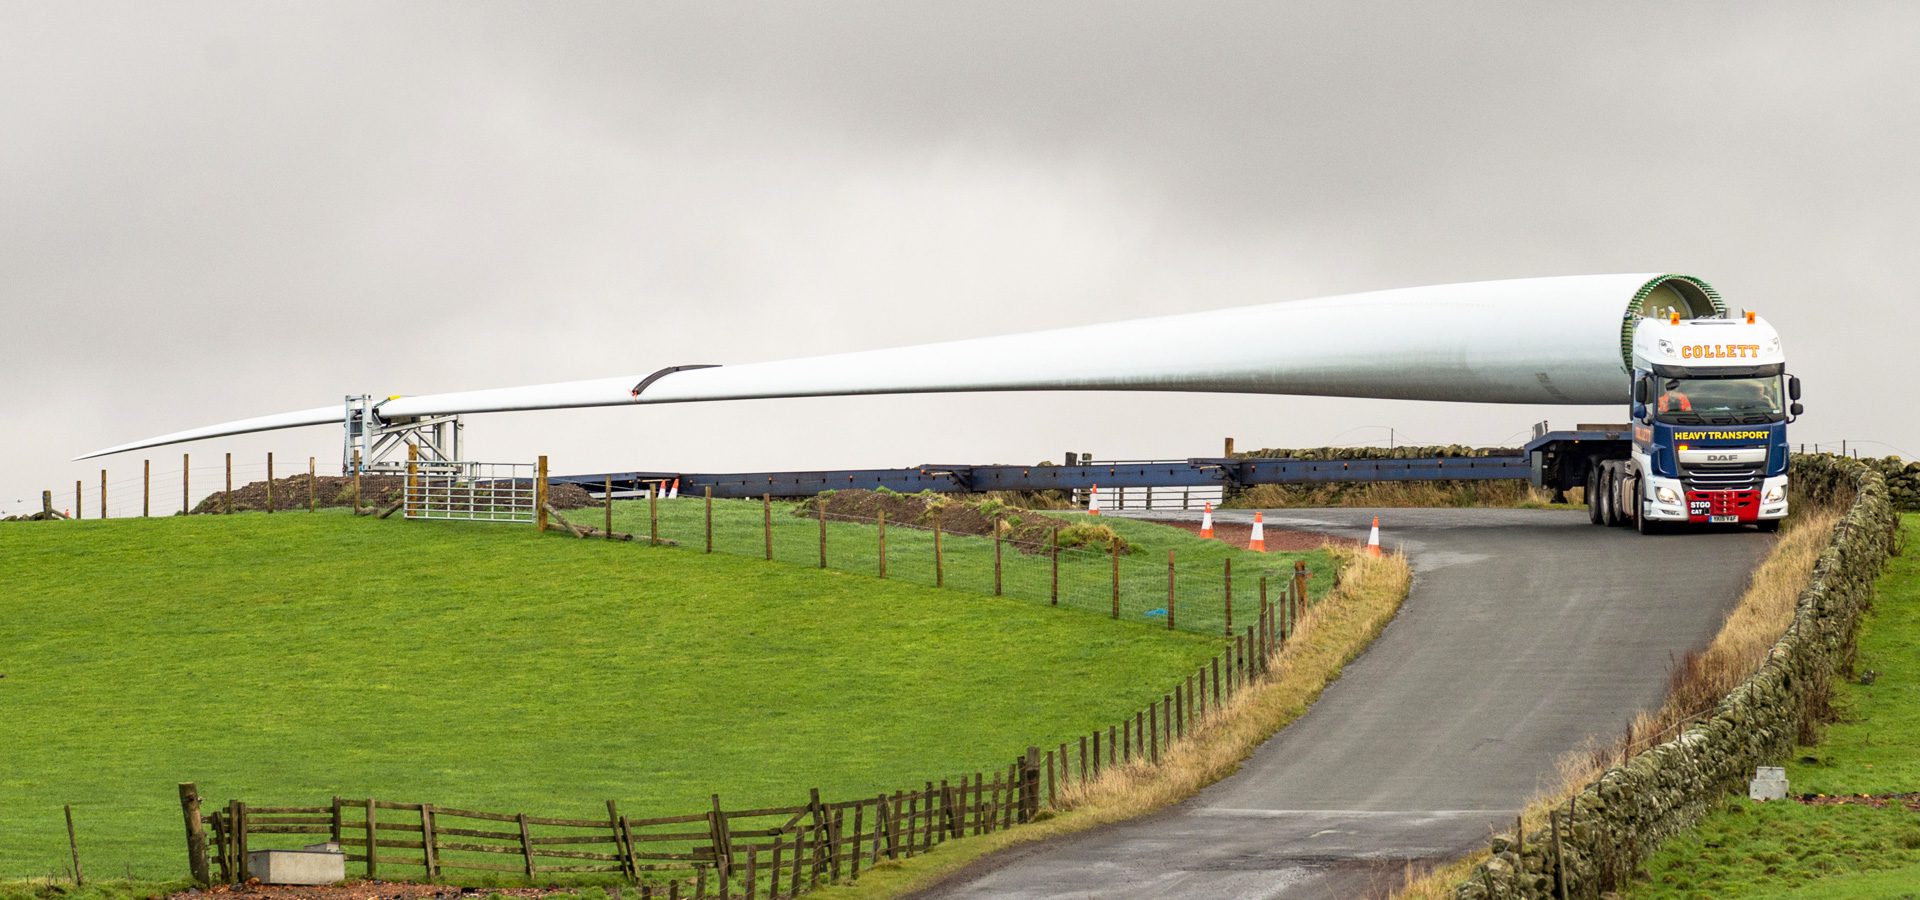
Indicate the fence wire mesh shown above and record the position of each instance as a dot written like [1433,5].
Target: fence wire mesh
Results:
[1082,578]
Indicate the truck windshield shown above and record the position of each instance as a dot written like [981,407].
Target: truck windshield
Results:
[1719,401]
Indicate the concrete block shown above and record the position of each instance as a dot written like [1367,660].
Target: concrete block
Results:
[298,866]
[1769,783]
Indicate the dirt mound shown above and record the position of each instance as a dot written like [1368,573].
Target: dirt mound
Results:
[376,491]
[1029,531]
[1239,533]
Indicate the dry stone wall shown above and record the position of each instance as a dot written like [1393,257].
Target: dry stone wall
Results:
[1624,815]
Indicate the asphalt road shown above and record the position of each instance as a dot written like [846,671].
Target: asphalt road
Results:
[1526,632]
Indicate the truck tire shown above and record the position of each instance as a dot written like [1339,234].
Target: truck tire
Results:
[1648,526]
[1609,498]
[1594,513]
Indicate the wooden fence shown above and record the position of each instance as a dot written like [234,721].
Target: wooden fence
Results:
[1180,594]
[771,852]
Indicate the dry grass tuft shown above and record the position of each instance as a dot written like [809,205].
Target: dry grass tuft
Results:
[1695,685]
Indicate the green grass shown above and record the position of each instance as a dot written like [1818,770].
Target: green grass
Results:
[1787,849]
[286,658]
[1086,577]
[1750,849]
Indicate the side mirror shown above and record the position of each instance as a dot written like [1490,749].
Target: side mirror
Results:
[1641,390]
[1793,388]
[1796,409]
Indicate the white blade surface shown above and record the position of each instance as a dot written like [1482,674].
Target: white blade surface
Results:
[1536,340]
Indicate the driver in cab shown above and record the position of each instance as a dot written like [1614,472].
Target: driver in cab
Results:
[1672,400]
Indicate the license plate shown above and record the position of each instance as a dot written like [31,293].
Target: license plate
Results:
[1720,519]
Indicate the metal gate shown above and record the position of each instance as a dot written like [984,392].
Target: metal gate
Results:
[473,491]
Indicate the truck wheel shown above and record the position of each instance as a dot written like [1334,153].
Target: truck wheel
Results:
[1648,526]
[1609,501]
[1594,514]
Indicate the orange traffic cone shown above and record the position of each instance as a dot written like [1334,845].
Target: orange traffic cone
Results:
[674,493]
[1373,538]
[1093,500]
[1206,521]
[1258,542]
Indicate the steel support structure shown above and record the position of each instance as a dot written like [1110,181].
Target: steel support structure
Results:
[380,442]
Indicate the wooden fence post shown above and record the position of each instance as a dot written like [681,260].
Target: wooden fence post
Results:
[653,514]
[73,847]
[539,490]
[1559,856]
[722,845]
[1153,732]
[1113,549]
[429,855]
[820,512]
[622,842]
[1169,590]
[882,538]
[1226,590]
[526,842]
[186,483]
[1030,784]
[939,557]
[103,493]
[1300,578]
[373,843]
[356,487]
[270,478]
[196,832]
[79,498]
[1053,554]
[996,554]
[708,492]
[1265,608]
[313,486]
[607,496]
[237,840]
[766,518]
[226,497]
[146,487]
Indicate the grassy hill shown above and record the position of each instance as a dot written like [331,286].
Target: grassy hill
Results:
[290,657]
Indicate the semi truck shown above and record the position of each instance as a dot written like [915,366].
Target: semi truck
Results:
[1707,391]
[1707,444]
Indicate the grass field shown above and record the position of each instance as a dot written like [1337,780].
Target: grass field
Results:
[1792,850]
[286,658]
[1086,577]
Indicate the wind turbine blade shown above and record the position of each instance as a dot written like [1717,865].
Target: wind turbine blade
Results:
[318,416]
[1534,340]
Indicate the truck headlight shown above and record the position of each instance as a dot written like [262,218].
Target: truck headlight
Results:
[1666,495]
[1775,494]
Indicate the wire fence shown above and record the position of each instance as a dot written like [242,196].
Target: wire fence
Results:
[1210,588]
[153,489]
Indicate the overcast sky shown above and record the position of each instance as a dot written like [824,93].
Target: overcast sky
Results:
[215,211]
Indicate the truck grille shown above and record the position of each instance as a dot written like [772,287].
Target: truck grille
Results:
[1722,476]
